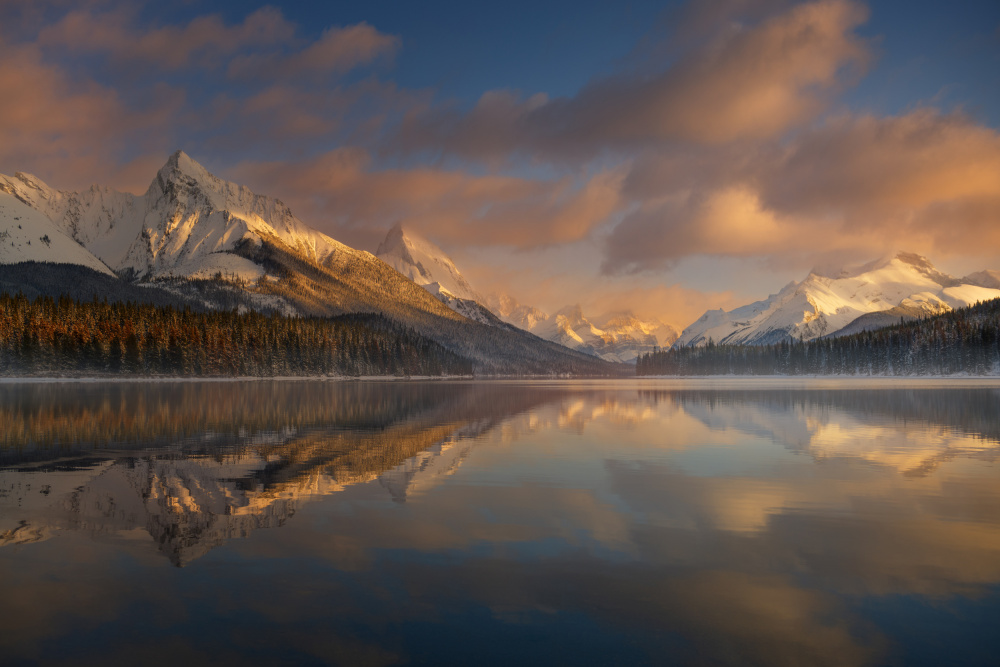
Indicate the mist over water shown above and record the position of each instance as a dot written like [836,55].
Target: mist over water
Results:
[389,523]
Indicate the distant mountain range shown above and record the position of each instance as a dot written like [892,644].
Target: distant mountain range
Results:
[618,337]
[902,286]
[191,228]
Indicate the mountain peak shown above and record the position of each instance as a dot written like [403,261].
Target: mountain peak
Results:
[827,302]
[900,259]
[423,262]
[572,313]
[31,180]
[181,164]
[617,319]
[395,238]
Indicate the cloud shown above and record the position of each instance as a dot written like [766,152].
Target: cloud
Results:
[748,83]
[263,45]
[337,50]
[287,118]
[865,162]
[554,280]
[675,304]
[900,175]
[58,125]
[201,42]
[729,221]
[164,87]
[924,181]
[340,193]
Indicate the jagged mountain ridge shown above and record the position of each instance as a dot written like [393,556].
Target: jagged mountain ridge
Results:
[621,339]
[428,266]
[186,216]
[191,225]
[424,263]
[26,235]
[825,303]
[615,337]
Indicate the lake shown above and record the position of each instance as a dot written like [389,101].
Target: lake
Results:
[727,522]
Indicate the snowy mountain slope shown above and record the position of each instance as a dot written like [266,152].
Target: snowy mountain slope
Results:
[104,221]
[424,263]
[469,308]
[986,278]
[191,214]
[636,336]
[190,224]
[428,266]
[185,216]
[569,327]
[824,304]
[507,308]
[28,236]
[619,337]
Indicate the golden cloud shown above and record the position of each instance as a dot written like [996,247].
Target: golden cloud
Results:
[338,190]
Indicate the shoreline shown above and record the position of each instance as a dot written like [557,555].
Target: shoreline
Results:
[674,381]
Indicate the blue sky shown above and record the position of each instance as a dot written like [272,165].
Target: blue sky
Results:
[927,51]
[666,157]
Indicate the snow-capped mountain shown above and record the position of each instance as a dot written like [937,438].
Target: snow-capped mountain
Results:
[28,236]
[424,263]
[253,251]
[625,325]
[102,220]
[622,339]
[428,266]
[617,337]
[187,224]
[986,278]
[506,307]
[823,304]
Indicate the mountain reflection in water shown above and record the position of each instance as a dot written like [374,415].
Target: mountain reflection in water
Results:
[382,523]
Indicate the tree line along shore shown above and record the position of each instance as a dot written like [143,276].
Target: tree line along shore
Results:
[63,336]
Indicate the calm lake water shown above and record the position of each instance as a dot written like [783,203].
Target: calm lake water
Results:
[631,522]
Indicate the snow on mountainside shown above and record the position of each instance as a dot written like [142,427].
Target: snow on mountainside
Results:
[617,337]
[506,307]
[179,227]
[621,340]
[28,236]
[256,254]
[987,278]
[626,324]
[424,263]
[428,266]
[825,304]
[102,220]
[191,214]
[190,224]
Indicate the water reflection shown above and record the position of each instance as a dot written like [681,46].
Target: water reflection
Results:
[477,522]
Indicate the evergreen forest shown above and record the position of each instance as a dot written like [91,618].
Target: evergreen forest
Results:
[63,336]
[963,341]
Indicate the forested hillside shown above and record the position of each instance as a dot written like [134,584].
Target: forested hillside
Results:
[960,341]
[48,336]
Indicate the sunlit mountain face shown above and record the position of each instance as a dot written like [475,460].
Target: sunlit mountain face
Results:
[723,521]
